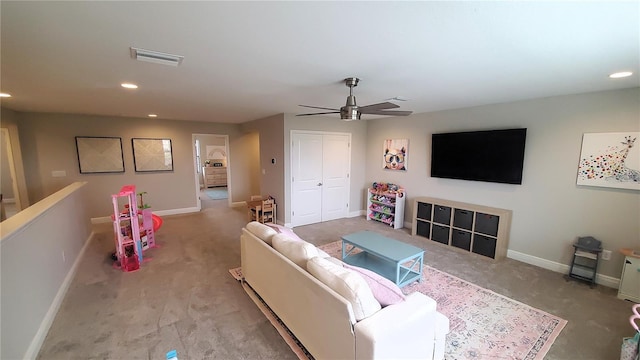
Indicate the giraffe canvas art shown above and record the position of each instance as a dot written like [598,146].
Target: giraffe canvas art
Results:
[610,160]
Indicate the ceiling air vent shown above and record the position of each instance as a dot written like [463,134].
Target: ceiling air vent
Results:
[156,57]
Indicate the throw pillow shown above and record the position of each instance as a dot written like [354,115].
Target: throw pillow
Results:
[261,230]
[348,284]
[384,290]
[284,230]
[297,251]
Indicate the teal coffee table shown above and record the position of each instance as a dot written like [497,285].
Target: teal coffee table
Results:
[395,260]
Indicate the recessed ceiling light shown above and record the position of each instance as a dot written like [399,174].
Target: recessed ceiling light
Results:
[129,86]
[5,95]
[621,74]
[152,115]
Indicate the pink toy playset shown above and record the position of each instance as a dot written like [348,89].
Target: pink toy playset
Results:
[134,228]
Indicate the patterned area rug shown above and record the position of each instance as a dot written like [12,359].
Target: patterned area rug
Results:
[484,324]
[217,193]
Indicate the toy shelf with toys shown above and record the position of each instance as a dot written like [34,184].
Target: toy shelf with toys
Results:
[385,203]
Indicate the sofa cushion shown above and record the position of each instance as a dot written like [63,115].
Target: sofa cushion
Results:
[348,284]
[297,251]
[323,254]
[262,231]
[384,290]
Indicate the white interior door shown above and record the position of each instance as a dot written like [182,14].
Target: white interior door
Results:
[320,177]
[335,174]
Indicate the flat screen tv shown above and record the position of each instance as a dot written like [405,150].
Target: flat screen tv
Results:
[492,156]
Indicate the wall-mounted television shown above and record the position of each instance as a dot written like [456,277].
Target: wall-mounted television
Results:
[490,155]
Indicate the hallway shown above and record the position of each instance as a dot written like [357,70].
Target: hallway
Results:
[208,203]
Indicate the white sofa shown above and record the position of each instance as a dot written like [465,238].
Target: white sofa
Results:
[330,325]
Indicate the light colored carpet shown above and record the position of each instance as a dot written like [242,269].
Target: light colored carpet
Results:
[217,193]
[184,298]
[483,323]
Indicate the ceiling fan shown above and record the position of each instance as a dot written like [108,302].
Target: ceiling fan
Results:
[351,111]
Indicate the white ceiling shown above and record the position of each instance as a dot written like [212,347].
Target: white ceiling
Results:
[248,60]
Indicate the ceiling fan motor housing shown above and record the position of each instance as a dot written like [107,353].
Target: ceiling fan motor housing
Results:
[350,113]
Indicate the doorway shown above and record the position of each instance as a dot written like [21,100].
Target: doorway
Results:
[320,181]
[212,169]
[9,193]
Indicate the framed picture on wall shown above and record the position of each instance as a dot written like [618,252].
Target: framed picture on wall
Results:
[99,154]
[216,152]
[394,154]
[610,160]
[152,154]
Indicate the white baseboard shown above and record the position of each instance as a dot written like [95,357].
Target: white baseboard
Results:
[604,280]
[41,334]
[357,213]
[176,211]
[107,219]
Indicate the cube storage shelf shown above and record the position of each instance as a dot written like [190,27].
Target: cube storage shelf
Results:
[477,229]
[386,207]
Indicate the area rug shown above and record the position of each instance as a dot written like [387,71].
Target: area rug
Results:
[217,193]
[483,324]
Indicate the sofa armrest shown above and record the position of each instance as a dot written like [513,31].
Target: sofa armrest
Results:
[404,330]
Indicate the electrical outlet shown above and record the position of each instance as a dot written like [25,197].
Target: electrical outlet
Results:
[606,254]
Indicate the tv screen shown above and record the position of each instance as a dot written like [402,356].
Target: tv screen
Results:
[492,156]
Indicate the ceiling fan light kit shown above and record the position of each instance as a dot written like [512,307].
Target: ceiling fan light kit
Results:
[351,111]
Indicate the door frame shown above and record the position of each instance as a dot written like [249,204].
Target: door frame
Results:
[12,169]
[197,174]
[292,133]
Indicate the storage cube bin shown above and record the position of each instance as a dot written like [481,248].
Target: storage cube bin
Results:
[462,219]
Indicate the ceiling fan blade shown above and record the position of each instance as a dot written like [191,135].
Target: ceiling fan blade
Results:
[389,112]
[380,106]
[322,113]
[318,107]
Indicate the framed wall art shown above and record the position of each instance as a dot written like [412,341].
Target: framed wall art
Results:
[610,160]
[152,154]
[395,153]
[216,152]
[99,154]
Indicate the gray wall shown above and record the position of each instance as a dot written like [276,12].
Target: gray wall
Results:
[40,250]
[549,210]
[271,145]
[49,145]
